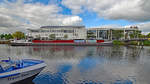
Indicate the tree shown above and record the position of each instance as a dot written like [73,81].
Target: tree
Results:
[2,36]
[148,35]
[135,34]
[52,36]
[141,36]
[8,36]
[18,35]
[117,34]
[65,36]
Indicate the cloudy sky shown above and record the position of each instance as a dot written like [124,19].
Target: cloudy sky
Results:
[23,14]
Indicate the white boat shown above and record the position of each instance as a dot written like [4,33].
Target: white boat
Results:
[14,71]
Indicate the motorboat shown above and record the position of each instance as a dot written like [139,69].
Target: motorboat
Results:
[13,71]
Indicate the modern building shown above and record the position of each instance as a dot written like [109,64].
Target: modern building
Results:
[80,32]
[112,33]
[59,32]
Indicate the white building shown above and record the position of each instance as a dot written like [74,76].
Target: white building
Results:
[108,33]
[60,32]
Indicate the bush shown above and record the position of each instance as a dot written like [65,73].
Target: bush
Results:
[133,43]
[146,43]
[116,42]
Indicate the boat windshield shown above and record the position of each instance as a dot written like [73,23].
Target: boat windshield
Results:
[5,59]
[4,66]
[7,65]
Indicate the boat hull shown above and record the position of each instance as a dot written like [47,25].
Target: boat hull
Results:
[27,80]
[21,74]
[61,44]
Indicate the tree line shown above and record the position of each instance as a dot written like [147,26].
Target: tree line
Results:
[16,35]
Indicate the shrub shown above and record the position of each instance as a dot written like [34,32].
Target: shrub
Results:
[133,43]
[116,42]
[146,43]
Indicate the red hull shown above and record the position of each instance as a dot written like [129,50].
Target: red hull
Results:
[53,41]
[61,41]
[100,41]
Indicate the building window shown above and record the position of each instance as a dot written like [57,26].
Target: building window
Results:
[103,34]
[68,31]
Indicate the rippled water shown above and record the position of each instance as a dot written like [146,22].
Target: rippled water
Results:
[87,65]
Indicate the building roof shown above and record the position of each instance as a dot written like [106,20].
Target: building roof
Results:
[62,27]
[112,29]
[33,30]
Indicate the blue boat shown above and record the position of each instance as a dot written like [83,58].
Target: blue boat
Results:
[13,71]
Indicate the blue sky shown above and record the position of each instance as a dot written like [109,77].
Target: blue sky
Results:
[23,14]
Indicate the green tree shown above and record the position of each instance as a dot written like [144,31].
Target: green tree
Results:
[18,35]
[2,36]
[65,36]
[141,36]
[135,34]
[8,36]
[52,36]
[117,34]
[148,35]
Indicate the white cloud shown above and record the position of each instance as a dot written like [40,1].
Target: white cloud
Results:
[108,26]
[72,20]
[20,16]
[132,10]
[145,27]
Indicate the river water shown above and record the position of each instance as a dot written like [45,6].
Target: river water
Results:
[86,64]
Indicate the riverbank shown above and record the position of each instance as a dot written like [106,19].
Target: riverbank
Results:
[144,43]
[5,42]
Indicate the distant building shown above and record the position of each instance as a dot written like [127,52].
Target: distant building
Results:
[60,32]
[80,32]
[110,33]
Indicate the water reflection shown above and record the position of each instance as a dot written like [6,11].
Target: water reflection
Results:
[87,65]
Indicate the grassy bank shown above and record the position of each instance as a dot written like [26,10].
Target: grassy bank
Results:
[145,43]
[116,42]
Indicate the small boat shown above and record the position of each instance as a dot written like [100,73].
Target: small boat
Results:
[13,71]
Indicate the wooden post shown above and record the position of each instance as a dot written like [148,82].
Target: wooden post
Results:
[142,44]
[138,43]
[124,34]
